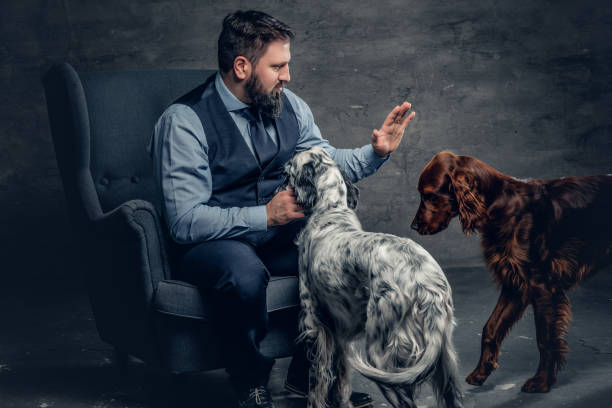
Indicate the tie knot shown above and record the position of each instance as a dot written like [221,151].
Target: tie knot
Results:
[252,115]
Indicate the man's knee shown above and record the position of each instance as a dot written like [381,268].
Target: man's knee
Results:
[246,282]
[230,268]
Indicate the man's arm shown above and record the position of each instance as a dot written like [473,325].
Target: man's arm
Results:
[360,162]
[180,157]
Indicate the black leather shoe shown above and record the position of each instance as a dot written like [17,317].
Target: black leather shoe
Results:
[258,397]
[358,399]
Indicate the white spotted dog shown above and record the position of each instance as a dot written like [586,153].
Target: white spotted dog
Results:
[355,283]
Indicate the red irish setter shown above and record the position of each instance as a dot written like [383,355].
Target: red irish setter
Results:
[540,238]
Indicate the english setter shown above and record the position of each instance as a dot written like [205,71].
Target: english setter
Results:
[353,283]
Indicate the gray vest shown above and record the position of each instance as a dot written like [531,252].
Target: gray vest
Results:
[237,179]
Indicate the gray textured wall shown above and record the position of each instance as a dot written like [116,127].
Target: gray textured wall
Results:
[523,85]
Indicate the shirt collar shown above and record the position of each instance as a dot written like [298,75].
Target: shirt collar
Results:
[231,102]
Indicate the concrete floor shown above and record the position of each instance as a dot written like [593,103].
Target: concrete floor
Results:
[51,355]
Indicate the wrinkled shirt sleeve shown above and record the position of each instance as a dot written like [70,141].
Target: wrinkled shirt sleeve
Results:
[358,163]
[179,151]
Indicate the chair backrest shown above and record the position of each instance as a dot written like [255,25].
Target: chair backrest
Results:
[101,123]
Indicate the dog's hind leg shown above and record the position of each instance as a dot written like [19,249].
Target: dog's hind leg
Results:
[444,379]
[406,393]
[450,394]
[509,309]
[400,396]
[387,358]
[446,387]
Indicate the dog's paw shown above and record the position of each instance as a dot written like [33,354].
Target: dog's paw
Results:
[536,384]
[476,378]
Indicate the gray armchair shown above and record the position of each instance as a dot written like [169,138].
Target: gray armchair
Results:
[101,123]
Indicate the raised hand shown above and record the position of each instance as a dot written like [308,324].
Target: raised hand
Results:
[386,139]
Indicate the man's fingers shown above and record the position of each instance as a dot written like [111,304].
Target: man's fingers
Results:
[396,116]
[375,135]
[293,213]
[404,108]
[392,116]
[407,120]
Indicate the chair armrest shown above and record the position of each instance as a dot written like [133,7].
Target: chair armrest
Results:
[134,231]
[127,258]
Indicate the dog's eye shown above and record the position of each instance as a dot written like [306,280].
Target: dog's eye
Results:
[433,198]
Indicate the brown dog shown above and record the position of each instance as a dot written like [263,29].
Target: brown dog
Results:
[540,238]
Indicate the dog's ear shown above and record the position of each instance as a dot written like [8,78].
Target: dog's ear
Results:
[472,209]
[304,188]
[352,192]
[285,184]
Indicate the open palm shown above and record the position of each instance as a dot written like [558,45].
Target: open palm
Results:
[386,139]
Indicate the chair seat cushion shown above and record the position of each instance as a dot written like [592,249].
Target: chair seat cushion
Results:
[181,299]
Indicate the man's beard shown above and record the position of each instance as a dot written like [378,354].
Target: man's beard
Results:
[268,104]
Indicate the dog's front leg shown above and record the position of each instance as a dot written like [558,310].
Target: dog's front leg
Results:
[340,390]
[552,315]
[508,310]
[321,373]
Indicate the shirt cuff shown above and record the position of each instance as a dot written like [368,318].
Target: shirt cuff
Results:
[372,158]
[257,218]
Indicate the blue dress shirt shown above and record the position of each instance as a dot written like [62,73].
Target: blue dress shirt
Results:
[179,151]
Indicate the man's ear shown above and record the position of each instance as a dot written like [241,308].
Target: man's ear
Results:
[242,67]
[352,192]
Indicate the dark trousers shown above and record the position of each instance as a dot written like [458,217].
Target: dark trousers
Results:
[234,274]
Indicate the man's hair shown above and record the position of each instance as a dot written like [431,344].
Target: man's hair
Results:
[248,33]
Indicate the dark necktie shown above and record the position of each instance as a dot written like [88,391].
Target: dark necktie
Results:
[265,148]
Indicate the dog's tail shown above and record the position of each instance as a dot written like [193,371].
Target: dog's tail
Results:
[411,375]
[413,352]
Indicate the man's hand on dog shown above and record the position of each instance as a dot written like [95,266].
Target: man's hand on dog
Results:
[386,139]
[283,208]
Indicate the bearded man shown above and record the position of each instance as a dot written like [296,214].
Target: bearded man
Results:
[218,153]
